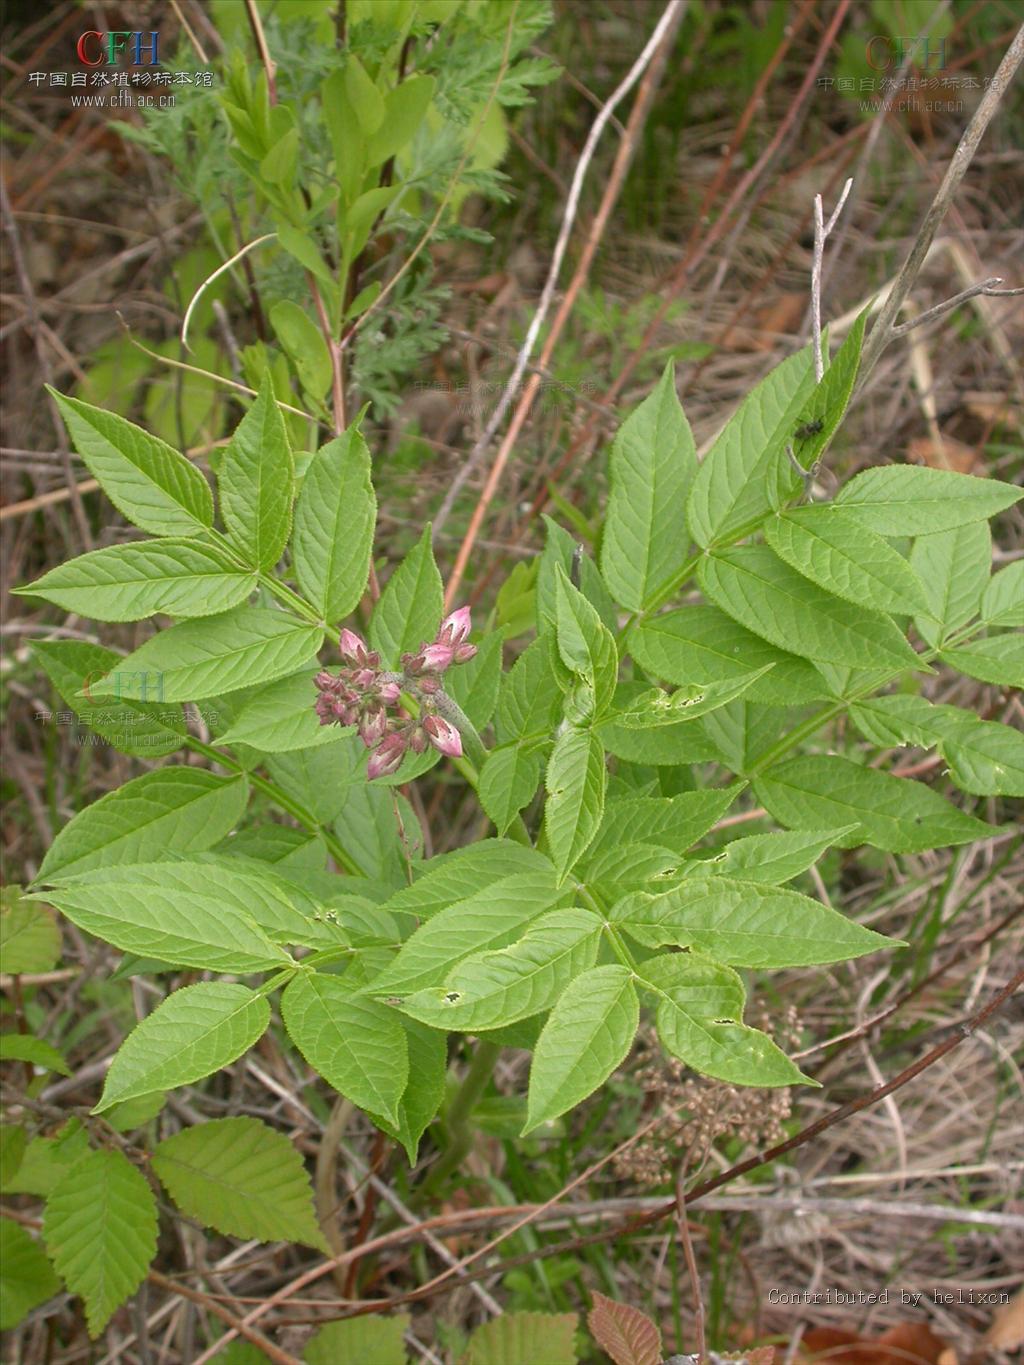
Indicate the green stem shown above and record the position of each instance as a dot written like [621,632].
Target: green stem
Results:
[460,1129]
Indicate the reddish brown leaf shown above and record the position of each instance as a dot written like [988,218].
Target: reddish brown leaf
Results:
[914,1343]
[628,1335]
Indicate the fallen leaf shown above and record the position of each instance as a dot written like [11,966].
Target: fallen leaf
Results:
[948,453]
[628,1335]
[1006,1331]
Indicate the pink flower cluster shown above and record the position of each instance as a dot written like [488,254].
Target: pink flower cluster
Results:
[366,696]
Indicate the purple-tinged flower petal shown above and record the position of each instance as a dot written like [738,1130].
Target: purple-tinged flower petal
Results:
[389,693]
[387,757]
[456,627]
[464,653]
[444,737]
[437,657]
[353,647]
[373,726]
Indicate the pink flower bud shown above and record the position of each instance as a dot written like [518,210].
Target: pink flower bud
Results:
[373,726]
[428,686]
[389,693]
[387,757]
[353,647]
[455,628]
[444,737]
[464,653]
[437,657]
[417,740]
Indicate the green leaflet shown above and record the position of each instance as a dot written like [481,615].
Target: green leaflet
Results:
[562,552]
[241,1177]
[834,550]
[130,582]
[699,1020]
[29,937]
[355,1043]
[745,924]
[953,568]
[216,654]
[742,733]
[529,699]
[519,1338]
[587,1035]
[587,648]
[702,645]
[652,464]
[176,810]
[149,482]
[256,481]
[631,867]
[28,1278]
[335,518]
[374,1340]
[1003,601]
[474,685]
[735,478]
[196,1031]
[576,780]
[410,607]
[405,108]
[757,589]
[305,346]
[508,782]
[466,873]
[21,1047]
[999,659]
[174,913]
[279,717]
[493,989]
[772,859]
[907,500]
[134,727]
[424,1090]
[673,822]
[656,709]
[670,745]
[100,1230]
[893,813]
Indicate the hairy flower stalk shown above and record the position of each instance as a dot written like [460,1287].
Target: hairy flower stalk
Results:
[367,697]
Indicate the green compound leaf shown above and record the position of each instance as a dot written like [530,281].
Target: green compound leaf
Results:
[242,1178]
[953,568]
[190,915]
[21,1047]
[334,522]
[1003,600]
[769,598]
[29,937]
[576,781]
[172,810]
[134,727]
[907,500]
[735,480]
[196,1031]
[508,782]
[699,1020]
[279,718]
[652,464]
[216,654]
[131,582]
[465,873]
[745,924]
[499,988]
[524,1339]
[370,1340]
[149,482]
[356,1044]
[673,822]
[100,1230]
[998,660]
[424,1090]
[772,859]
[834,550]
[410,607]
[702,645]
[588,1034]
[256,480]
[26,1276]
[892,813]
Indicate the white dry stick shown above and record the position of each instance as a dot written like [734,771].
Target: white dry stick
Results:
[822,232]
[550,284]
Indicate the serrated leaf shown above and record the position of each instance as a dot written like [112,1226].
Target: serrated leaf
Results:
[29,937]
[772,859]
[530,699]
[370,1340]
[185,914]
[493,989]
[178,810]
[701,645]
[256,481]
[508,782]
[474,685]
[100,1231]
[26,1276]
[576,781]
[563,551]
[356,1044]
[485,921]
[669,745]
[334,523]
[410,607]
[131,1114]
[1003,601]
[279,718]
[907,500]
[999,659]
[587,648]
[150,483]
[424,1090]
[130,582]
[893,813]
[628,1335]
[133,727]
[674,822]
[46,1159]
[651,467]
[22,1047]
[745,924]
[242,1178]
[524,1339]
[654,709]
[405,108]
[464,874]
[588,1034]
[305,346]
[13,1141]
[953,568]
[322,777]
[213,655]
[734,482]
[699,1020]
[769,598]
[835,551]
[193,1033]
[631,867]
